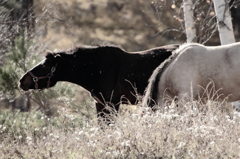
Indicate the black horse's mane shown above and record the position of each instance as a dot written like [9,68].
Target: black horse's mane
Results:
[76,49]
[152,88]
[91,47]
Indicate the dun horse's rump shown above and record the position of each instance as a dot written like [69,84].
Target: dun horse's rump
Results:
[188,73]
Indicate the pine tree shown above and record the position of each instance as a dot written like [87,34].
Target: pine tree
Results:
[14,66]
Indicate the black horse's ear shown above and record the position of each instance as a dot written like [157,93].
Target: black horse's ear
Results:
[49,54]
[54,57]
[57,57]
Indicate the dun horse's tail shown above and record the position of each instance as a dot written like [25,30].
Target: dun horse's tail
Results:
[151,93]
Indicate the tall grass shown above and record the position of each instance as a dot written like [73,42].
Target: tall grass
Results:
[134,135]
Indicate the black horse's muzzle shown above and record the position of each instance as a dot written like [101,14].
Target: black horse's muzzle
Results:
[26,83]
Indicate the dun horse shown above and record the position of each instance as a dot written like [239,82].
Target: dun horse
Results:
[111,75]
[189,71]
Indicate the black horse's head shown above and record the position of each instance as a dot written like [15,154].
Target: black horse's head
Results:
[43,75]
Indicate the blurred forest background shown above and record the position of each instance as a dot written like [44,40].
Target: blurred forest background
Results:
[29,27]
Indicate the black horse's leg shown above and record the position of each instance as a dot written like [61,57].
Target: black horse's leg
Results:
[106,113]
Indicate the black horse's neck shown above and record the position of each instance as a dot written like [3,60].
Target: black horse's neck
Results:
[86,66]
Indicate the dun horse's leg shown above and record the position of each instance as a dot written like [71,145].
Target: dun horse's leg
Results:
[229,110]
[160,104]
[182,100]
[163,99]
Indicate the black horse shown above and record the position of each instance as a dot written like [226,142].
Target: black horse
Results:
[112,75]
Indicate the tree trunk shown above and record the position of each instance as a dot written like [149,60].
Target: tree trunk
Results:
[189,21]
[224,21]
[28,14]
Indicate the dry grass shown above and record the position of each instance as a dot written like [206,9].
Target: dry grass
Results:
[134,135]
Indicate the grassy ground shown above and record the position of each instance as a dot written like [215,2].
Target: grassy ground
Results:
[134,135]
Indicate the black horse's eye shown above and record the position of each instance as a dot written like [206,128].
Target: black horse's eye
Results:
[45,66]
